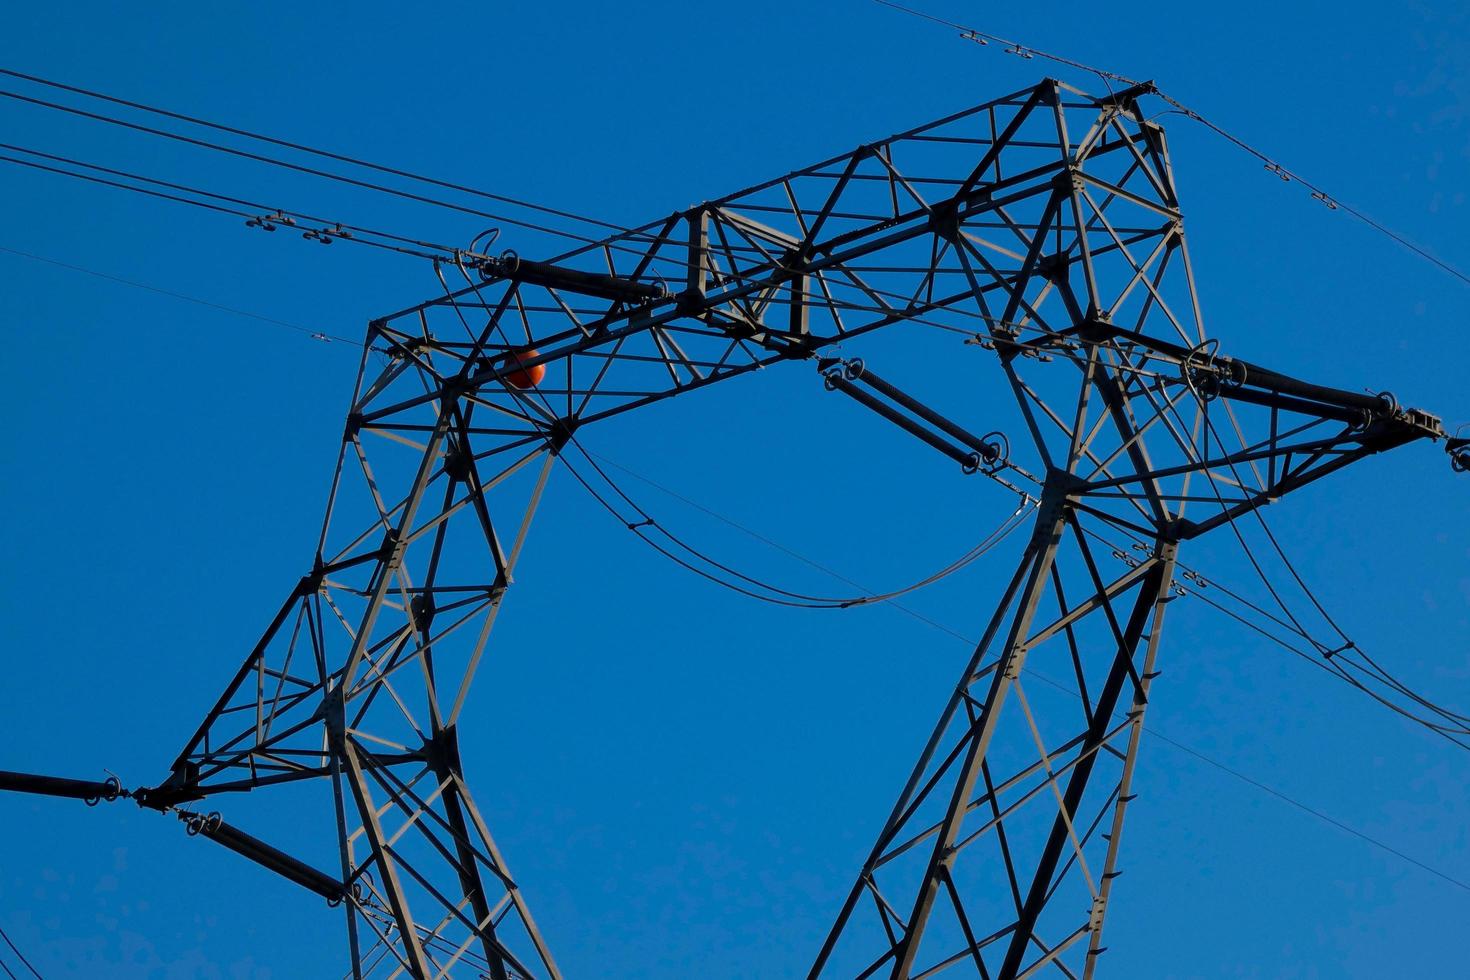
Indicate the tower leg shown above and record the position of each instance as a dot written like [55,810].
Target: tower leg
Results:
[989,777]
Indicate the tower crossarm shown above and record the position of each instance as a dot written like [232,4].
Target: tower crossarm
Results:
[871,238]
[1307,430]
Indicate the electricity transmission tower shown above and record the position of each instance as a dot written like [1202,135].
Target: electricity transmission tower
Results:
[1047,224]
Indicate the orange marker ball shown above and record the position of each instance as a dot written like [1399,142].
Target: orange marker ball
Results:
[523,378]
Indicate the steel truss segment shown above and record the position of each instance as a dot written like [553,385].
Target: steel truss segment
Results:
[998,831]
[1150,434]
[360,680]
[1046,226]
[826,253]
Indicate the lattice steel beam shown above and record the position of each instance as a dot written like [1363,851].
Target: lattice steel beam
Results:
[1048,224]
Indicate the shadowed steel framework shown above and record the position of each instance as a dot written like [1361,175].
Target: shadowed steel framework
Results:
[1047,224]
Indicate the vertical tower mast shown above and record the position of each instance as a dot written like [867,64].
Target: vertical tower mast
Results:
[999,857]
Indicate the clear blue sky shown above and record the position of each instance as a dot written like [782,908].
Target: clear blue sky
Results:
[685,783]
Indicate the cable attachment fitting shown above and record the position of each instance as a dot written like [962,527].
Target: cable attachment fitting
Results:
[1206,373]
[200,823]
[1459,450]
[270,222]
[326,235]
[1125,558]
[111,790]
[997,455]
[832,369]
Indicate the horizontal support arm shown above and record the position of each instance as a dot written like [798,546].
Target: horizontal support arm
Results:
[72,789]
[214,827]
[975,451]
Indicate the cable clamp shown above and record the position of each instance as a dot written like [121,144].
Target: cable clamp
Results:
[1196,578]
[326,235]
[197,823]
[270,222]
[1199,372]
[1125,558]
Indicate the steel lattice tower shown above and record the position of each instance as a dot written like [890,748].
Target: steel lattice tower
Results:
[1048,218]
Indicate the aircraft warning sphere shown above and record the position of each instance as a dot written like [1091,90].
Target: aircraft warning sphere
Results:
[524,378]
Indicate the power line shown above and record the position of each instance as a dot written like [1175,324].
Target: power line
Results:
[264,215]
[753,588]
[624,240]
[1195,753]
[1312,811]
[313,171]
[1333,658]
[20,955]
[314,334]
[782,597]
[1014,47]
[315,151]
[1318,193]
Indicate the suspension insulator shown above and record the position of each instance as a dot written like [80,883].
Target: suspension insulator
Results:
[523,378]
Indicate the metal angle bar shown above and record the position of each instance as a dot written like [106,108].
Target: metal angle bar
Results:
[997,821]
[907,796]
[1155,587]
[465,864]
[528,924]
[413,951]
[1125,783]
[1063,815]
[1050,521]
[1012,807]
